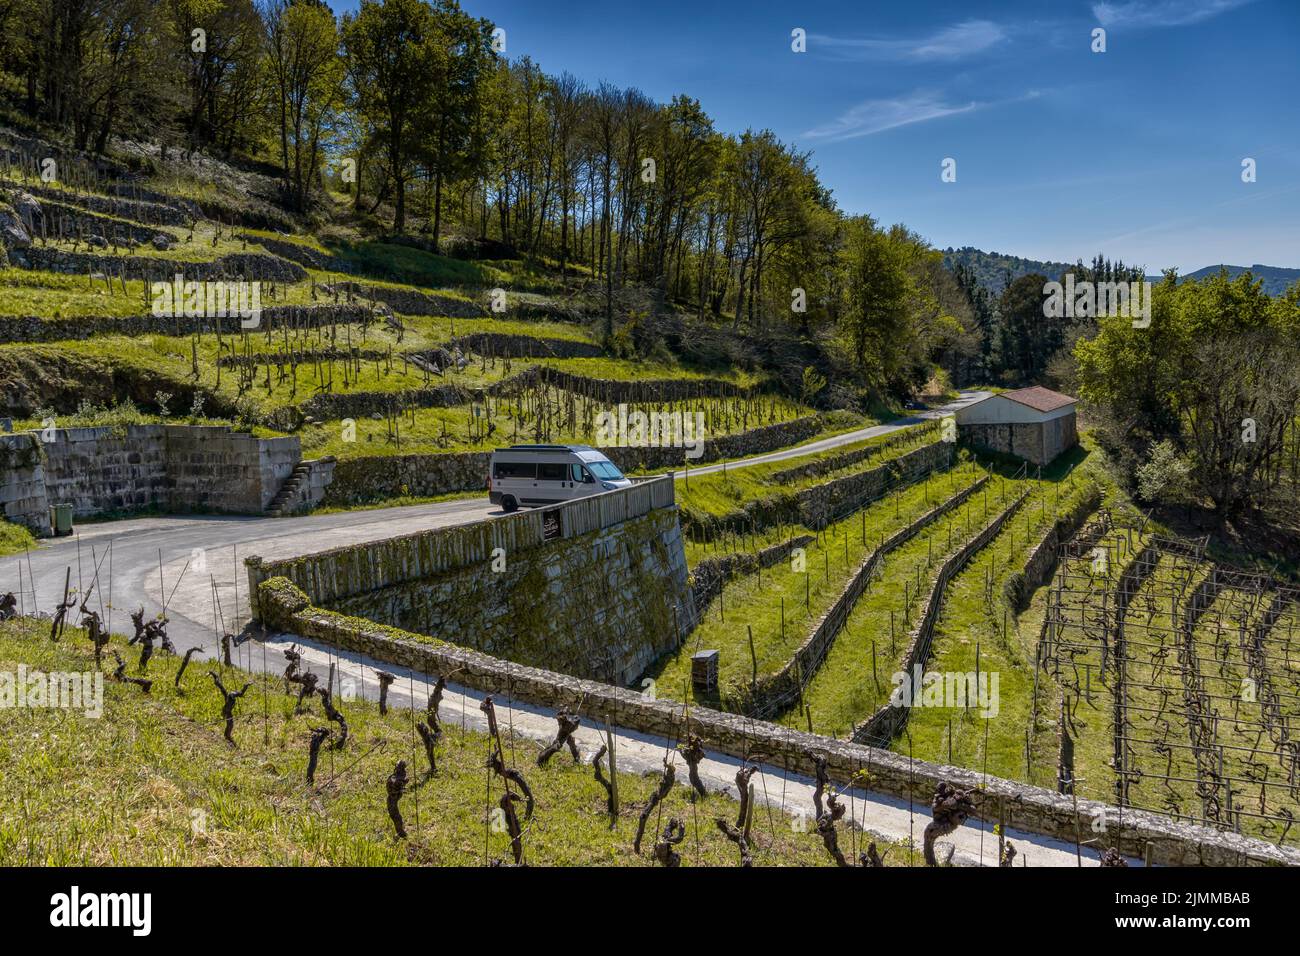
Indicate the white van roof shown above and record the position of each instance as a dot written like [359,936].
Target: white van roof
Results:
[543,449]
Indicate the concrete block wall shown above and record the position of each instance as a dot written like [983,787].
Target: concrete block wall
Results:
[213,468]
[22,483]
[103,470]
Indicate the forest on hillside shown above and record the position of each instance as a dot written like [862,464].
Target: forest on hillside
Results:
[414,114]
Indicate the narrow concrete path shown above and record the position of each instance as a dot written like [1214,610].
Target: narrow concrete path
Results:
[847,438]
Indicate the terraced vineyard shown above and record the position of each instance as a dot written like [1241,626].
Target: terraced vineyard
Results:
[361,348]
[1178,683]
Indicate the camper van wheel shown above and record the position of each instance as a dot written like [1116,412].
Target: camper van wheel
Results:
[509,504]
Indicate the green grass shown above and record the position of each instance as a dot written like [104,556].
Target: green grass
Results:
[975,621]
[800,597]
[152,782]
[719,494]
[15,539]
[844,693]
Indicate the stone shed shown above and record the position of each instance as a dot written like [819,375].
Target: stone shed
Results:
[1036,423]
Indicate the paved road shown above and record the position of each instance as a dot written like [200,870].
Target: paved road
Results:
[848,438]
[188,558]
[179,561]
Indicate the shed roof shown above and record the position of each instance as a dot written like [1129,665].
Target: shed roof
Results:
[1039,399]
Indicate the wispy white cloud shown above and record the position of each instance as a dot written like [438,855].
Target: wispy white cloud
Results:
[876,116]
[920,106]
[953,42]
[1161,13]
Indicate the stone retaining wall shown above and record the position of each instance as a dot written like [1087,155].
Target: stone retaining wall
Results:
[28,328]
[823,504]
[147,212]
[302,254]
[523,346]
[251,266]
[646,391]
[1021,806]
[68,222]
[597,587]
[409,302]
[381,477]
[708,577]
[175,468]
[22,482]
[818,469]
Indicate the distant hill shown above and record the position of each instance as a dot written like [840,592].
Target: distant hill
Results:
[990,269]
[1276,278]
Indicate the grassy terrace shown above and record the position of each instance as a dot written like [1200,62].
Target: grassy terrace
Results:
[975,620]
[153,783]
[843,692]
[801,596]
[257,393]
[724,493]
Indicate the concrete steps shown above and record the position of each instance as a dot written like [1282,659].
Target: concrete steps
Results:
[281,504]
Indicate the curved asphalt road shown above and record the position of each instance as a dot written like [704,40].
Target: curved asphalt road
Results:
[200,554]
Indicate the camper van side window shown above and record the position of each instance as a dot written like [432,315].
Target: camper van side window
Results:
[515,469]
[552,471]
[577,472]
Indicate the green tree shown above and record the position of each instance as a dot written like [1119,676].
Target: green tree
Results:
[395,58]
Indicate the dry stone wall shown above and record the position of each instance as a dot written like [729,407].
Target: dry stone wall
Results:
[251,266]
[709,575]
[523,346]
[820,505]
[30,328]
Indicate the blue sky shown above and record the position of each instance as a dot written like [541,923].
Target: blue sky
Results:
[1060,152]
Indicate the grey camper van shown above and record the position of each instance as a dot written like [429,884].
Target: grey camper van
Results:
[549,474]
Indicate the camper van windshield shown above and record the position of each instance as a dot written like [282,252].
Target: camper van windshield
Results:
[605,469]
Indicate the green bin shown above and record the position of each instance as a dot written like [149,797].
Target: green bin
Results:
[61,518]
